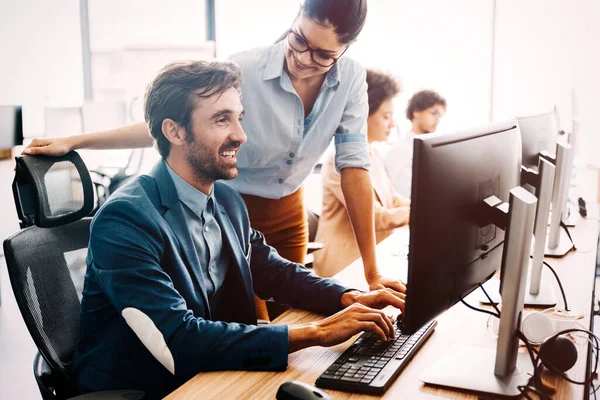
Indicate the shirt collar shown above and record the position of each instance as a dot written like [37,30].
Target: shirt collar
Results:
[189,195]
[274,67]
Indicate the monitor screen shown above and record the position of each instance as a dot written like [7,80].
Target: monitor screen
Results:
[11,127]
[451,250]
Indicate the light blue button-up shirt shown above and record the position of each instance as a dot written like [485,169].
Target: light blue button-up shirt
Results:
[198,209]
[283,146]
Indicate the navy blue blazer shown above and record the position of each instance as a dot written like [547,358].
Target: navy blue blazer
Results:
[146,321]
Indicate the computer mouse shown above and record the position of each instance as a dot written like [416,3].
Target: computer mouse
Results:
[296,390]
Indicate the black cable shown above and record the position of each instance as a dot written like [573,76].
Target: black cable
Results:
[552,368]
[479,309]
[490,299]
[562,290]
[560,286]
[595,390]
[535,383]
[566,229]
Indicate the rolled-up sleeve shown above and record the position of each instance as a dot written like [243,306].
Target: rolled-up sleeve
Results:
[351,147]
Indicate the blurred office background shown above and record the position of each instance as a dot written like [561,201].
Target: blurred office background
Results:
[82,65]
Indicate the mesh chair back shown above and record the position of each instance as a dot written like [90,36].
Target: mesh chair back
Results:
[46,267]
[52,191]
[46,262]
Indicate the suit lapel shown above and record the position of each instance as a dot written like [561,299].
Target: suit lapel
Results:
[176,220]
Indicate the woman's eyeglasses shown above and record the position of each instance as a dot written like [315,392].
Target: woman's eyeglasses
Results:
[319,57]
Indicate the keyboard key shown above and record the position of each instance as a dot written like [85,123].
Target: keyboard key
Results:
[366,380]
[349,379]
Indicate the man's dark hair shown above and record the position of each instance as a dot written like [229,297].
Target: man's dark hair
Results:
[381,86]
[174,94]
[422,101]
[347,17]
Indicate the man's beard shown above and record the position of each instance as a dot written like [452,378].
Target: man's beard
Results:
[205,166]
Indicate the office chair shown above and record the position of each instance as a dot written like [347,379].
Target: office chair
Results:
[46,264]
[312,219]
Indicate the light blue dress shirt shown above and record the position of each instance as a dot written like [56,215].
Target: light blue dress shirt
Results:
[198,209]
[283,146]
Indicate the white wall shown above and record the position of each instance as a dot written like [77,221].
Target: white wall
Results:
[40,47]
[428,44]
[441,45]
[243,25]
[545,48]
[118,24]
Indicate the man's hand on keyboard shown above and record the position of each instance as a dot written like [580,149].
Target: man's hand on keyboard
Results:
[341,326]
[352,320]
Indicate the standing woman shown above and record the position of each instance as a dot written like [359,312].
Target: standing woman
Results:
[298,94]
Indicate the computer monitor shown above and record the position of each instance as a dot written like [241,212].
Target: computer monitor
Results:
[449,253]
[569,218]
[11,127]
[460,184]
[539,133]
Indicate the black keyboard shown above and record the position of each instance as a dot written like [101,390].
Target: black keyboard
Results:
[370,365]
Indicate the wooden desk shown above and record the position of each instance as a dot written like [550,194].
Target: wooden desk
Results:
[457,325]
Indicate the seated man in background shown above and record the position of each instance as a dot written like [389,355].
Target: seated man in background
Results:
[391,210]
[424,110]
[173,264]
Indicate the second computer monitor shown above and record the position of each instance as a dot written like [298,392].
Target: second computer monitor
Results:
[539,133]
[452,250]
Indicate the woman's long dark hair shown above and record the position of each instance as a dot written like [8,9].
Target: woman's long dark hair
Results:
[347,17]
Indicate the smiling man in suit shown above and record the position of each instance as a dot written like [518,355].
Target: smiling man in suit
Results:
[173,264]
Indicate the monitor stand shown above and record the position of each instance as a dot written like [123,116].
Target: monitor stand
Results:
[572,220]
[564,246]
[472,368]
[573,216]
[497,371]
[544,299]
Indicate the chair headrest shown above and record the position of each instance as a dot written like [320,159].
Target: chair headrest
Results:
[52,191]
